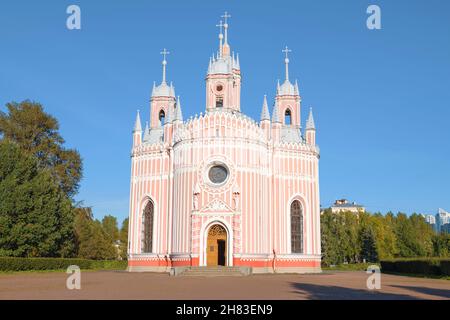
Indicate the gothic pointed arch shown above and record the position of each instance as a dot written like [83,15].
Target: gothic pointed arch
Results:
[288,117]
[162,117]
[147,227]
[296,227]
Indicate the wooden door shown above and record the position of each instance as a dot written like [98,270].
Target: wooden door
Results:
[216,251]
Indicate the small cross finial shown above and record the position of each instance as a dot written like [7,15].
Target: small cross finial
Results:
[220,25]
[225,17]
[164,53]
[286,50]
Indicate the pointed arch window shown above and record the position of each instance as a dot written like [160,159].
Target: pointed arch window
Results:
[219,102]
[287,117]
[162,117]
[296,227]
[147,231]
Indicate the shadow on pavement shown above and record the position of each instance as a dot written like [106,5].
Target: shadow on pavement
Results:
[444,293]
[320,292]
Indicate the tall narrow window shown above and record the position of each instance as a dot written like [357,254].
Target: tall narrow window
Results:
[147,231]
[219,102]
[296,227]
[287,117]
[162,117]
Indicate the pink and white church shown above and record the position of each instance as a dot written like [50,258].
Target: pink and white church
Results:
[221,189]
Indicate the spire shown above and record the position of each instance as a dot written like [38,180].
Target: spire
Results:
[164,63]
[225,17]
[172,90]
[296,91]
[154,88]
[275,115]
[237,61]
[278,87]
[265,110]
[137,124]
[310,122]
[146,132]
[286,61]
[220,25]
[179,114]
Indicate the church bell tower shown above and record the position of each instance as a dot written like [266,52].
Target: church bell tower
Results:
[223,80]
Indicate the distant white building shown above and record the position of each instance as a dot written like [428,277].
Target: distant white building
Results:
[429,218]
[344,205]
[442,220]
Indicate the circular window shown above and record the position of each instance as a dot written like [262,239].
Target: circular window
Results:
[218,174]
[219,87]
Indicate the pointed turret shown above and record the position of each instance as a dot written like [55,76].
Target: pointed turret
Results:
[154,88]
[265,115]
[275,113]
[296,91]
[137,123]
[310,131]
[146,132]
[178,114]
[172,89]
[137,131]
[310,125]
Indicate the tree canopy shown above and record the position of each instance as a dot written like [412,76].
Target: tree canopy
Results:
[36,133]
[354,237]
[35,215]
[93,241]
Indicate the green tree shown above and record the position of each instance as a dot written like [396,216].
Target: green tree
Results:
[109,224]
[423,236]
[441,245]
[368,245]
[92,240]
[36,217]
[405,236]
[36,132]
[385,239]
[331,226]
[124,239]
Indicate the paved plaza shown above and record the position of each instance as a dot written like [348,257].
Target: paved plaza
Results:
[124,285]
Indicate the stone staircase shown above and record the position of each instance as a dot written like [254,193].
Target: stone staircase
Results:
[218,271]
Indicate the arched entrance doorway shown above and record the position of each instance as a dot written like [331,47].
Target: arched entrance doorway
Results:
[216,246]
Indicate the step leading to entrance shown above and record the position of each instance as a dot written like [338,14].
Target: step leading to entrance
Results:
[216,271]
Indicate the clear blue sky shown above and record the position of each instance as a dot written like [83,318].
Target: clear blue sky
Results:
[380,98]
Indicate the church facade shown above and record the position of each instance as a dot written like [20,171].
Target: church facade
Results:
[221,188]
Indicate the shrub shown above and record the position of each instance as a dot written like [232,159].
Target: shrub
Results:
[425,266]
[445,267]
[23,264]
